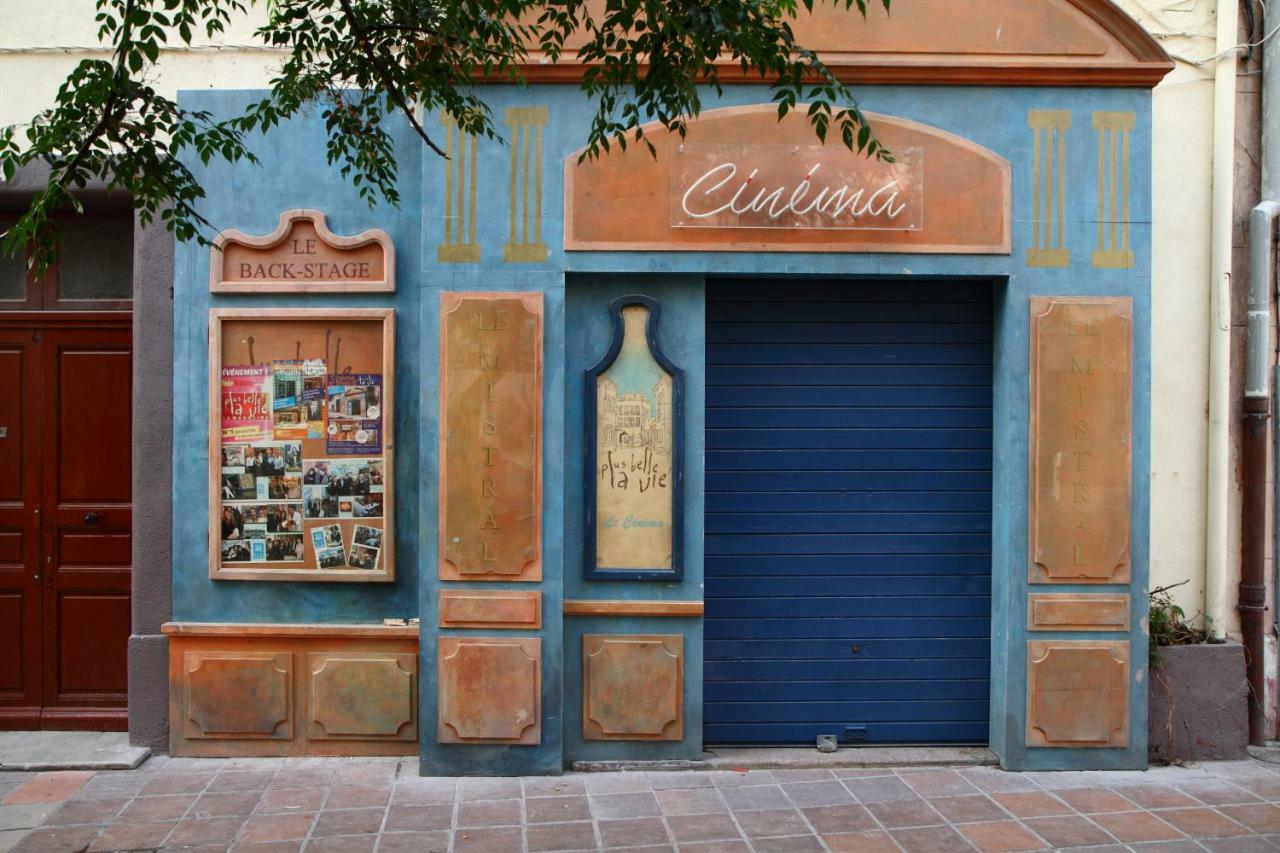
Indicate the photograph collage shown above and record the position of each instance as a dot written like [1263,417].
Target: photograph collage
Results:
[279,506]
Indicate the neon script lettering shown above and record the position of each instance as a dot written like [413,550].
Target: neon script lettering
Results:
[709,196]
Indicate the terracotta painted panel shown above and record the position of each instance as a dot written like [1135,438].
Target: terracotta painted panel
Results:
[490,689]
[1055,42]
[491,436]
[354,689]
[362,695]
[743,181]
[238,694]
[302,256]
[1081,439]
[1078,612]
[480,609]
[632,687]
[1077,693]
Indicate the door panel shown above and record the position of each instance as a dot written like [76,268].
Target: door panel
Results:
[20,590]
[87,499]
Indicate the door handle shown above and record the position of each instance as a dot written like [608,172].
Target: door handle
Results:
[92,518]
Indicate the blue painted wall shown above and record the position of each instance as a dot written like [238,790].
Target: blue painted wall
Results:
[682,334]
[294,174]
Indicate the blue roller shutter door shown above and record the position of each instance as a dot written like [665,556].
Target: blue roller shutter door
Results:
[848,512]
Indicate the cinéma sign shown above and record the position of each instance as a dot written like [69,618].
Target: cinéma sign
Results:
[795,186]
[744,181]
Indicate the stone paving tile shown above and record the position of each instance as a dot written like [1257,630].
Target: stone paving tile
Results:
[133,836]
[1004,836]
[348,822]
[150,809]
[54,787]
[874,841]
[931,839]
[770,824]
[1202,823]
[716,847]
[790,844]
[1156,796]
[831,820]
[969,809]
[427,818]
[615,806]
[489,813]
[806,794]
[879,789]
[899,814]
[755,798]
[580,835]
[346,806]
[225,804]
[1032,804]
[414,842]
[343,844]
[685,801]
[1259,817]
[1069,831]
[275,827]
[634,832]
[697,828]
[217,830]
[1137,826]
[556,809]
[58,839]
[502,840]
[939,783]
[1095,800]
[740,778]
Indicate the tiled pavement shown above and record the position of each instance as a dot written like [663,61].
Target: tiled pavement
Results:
[359,805]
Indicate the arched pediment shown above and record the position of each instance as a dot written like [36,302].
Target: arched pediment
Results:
[964,42]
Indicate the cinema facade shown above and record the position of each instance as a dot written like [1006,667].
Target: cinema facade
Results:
[748,442]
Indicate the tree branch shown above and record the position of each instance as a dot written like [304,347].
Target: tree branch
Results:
[393,91]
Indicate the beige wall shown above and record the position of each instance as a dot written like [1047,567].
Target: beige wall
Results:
[63,33]
[1182,185]
[42,40]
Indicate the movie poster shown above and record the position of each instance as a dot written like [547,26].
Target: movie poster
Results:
[354,413]
[246,403]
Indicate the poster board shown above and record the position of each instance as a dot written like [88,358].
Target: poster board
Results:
[301,444]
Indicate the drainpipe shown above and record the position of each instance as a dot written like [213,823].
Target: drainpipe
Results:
[1253,458]
[1217,581]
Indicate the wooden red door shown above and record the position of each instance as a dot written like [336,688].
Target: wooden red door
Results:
[64,666]
[20,589]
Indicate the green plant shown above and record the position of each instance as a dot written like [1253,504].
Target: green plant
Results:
[1168,625]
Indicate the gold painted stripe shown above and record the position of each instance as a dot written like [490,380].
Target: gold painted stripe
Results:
[632,608]
[1035,184]
[1125,191]
[524,186]
[1115,192]
[1102,217]
[1062,186]
[448,184]
[511,198]
[537,183]
[472,192]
